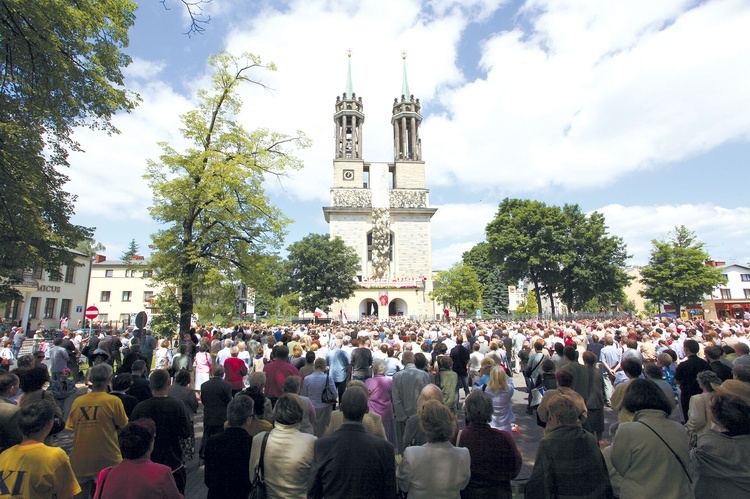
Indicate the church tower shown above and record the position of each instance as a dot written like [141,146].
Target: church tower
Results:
[382,211]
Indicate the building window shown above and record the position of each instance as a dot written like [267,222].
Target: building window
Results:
[69,273]
[103,318]
[34,308]
[49,308]
[148,295]
[747,294]
[725,276]
[148,273]
[127,295]
[745,277]
[55,275]
[726,294]
[125,319]
[109,273]
[65,307]
[37,273]
[105,296]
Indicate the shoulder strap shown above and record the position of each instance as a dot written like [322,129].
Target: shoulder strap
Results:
[484,387]
[458,438]
[537,364]
[262,451]
[100,489]
[672,450]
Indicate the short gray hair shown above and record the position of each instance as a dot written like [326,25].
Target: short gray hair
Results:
[239,409]
[378,366]
[100,374]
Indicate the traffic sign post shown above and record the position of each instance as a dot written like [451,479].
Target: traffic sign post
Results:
[91,313]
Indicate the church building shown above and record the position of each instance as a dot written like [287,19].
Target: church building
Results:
[382,210]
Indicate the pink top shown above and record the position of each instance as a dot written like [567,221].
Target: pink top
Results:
[202,362]
[136,478]
[380,387]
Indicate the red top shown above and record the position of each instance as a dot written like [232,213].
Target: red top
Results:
[235,369]
[276,372]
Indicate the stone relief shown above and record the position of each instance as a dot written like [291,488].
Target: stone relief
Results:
[381,239]
[355,198]
[408,199]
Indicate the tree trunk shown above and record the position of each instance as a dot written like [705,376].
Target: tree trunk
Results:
[186,308]
[551,295]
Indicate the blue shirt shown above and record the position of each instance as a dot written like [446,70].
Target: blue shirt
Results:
[338,364]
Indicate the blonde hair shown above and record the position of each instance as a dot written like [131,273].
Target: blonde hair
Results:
[241,346]
[487,362]
[498,380]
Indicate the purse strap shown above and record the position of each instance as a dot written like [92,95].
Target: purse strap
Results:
[100,489]
[672,450]
[261,474]
[458,438]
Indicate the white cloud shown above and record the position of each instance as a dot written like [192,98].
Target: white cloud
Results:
[456,228]
[143,69]
[578,95]
[724,230]
[595,91]
[107,176]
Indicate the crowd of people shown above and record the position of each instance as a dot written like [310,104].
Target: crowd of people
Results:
[372,409]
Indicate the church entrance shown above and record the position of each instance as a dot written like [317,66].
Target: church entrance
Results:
[398,307]
[368,309]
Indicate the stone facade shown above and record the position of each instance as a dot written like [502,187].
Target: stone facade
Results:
[382,211]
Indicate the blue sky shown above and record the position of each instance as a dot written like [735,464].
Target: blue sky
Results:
[637,109]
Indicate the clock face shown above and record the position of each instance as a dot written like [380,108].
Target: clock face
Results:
[348,174]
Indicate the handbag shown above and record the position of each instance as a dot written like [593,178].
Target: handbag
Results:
[58,425]
[328,396]
[536,395]
[259,483]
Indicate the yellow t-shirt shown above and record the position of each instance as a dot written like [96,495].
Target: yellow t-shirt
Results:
[94,419]
[36,470]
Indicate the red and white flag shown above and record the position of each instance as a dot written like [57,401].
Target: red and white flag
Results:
[318,313]
[344,318]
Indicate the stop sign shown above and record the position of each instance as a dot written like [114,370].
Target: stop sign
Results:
[92,312]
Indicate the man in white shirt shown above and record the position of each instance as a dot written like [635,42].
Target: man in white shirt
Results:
[224,353]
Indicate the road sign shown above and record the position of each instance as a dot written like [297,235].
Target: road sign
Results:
[140,320]
[92,312]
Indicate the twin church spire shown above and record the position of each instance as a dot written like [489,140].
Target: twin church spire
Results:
[349,118]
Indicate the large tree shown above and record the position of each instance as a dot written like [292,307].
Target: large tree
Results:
[458,288]
[321,270]
[219,222]
[494,288]
[61,69]
[677,272]
[526,242]
[592,261]
[562,251]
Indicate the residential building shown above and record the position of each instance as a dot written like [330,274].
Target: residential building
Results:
[731,299]
[121,289]
[52,299]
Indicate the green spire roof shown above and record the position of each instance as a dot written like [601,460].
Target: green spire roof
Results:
[349,92]
[405,84]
